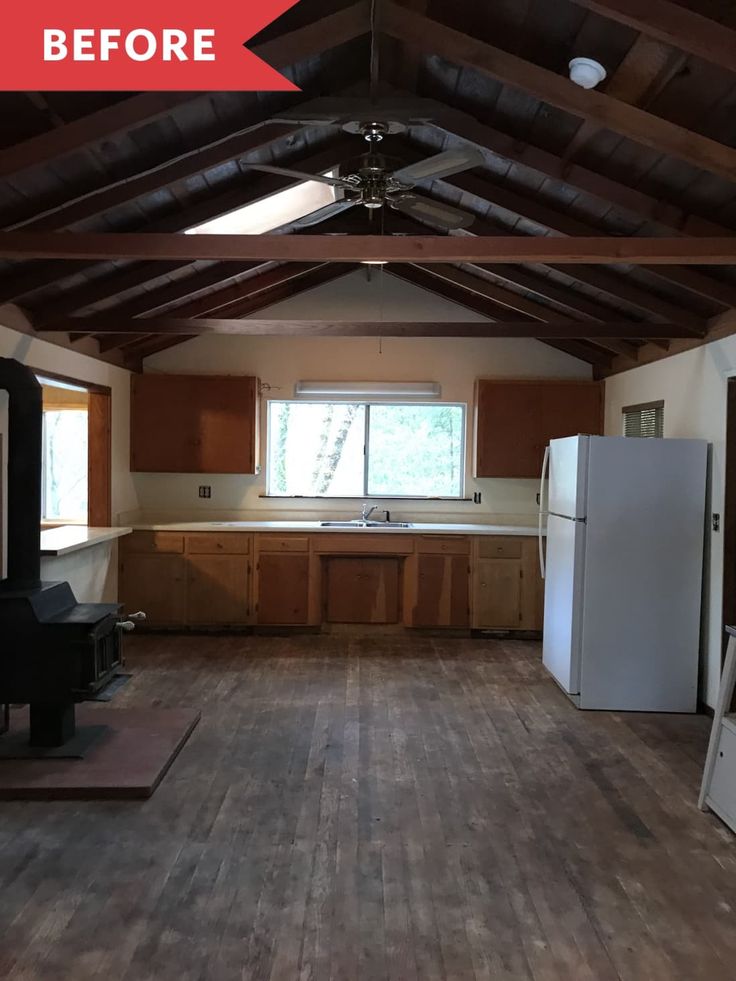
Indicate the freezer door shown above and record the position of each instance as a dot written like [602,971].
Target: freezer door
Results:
[568,473]
[563,601]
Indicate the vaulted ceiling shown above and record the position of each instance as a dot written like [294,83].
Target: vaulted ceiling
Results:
[649,155]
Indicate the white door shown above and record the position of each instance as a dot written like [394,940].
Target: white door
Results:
[563,601]
[568,473]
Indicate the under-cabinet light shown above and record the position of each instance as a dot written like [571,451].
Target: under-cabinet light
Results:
[411,390]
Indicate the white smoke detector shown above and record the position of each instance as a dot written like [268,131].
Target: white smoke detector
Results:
[586,72]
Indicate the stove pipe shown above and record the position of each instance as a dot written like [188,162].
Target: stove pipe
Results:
[25,435]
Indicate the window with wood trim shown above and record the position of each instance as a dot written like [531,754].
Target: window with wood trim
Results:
[364,449]
[77,452]
[644,421]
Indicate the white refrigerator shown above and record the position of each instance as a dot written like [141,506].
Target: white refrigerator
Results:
[624,569]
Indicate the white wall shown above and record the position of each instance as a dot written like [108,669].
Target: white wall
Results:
[693,387]
[50,357]
[91,572]
[281,361]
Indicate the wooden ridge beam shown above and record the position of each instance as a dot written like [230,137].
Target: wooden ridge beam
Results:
[315,38]
[673,24]
[572,329]
[659,134]
[596,250]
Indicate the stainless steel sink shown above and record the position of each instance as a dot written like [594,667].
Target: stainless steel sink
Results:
[365,524]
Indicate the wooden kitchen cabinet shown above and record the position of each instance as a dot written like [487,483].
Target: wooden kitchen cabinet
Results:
[283,589]
[438,578]
[194,424]
[362,589]
[155,583]
[283,580]
[516,419]
[218,590]
[506,584]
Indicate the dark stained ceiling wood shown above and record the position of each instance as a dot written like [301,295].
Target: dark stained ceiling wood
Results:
[596,250]
[564,329]
[674,25]
[575,207]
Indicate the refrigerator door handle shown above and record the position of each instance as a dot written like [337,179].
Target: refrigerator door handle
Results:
[545,467]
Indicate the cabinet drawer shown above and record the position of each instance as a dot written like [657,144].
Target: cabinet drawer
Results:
[146,542]
[227,543]
[283,543]
[441,545]
[499,548]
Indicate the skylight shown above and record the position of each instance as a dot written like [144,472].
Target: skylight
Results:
[271,212]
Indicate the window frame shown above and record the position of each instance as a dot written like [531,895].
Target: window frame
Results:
[368,402]
[656,406]
[99,446]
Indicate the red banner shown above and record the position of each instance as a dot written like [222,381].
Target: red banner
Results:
[137,46]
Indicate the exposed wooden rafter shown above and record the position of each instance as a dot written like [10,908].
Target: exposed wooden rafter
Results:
[645,128]
[594,250]
[673,24]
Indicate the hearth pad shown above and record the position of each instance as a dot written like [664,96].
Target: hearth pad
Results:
[128,761]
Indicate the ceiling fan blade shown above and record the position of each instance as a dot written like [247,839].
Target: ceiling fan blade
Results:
[440,165]
[435,212]
[332,181]
[322,214]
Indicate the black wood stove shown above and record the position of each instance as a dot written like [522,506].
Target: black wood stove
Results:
[54,651]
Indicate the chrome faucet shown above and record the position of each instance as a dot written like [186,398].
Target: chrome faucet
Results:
[368,511]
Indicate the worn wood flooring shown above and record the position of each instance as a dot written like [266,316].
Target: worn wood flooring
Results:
[386,807]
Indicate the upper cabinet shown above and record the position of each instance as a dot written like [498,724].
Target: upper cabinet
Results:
[516,419]
[194,424]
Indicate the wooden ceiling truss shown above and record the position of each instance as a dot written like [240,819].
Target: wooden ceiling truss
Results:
[616,244]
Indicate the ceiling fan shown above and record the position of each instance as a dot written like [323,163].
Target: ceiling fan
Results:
[375,185]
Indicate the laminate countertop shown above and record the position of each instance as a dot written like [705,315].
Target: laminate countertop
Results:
[415,528]
[72,538]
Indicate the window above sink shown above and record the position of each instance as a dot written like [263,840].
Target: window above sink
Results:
[363,449]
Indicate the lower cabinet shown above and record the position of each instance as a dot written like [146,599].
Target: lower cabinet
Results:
[208,579]
[362,589]
[218,590]
[282,596]
[156,584]
[439,582]
[507,588]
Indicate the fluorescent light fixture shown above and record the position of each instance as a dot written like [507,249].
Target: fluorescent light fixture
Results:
[344,390]
[373,262]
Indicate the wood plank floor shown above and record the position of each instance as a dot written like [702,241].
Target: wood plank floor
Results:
[378,808]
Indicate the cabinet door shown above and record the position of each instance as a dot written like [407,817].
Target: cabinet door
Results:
[508,442]
[362,590]
[218,590]
[193,424]
[441,591]
[283,588]
[497,593]
[516,419]
[569,408]
[156,584]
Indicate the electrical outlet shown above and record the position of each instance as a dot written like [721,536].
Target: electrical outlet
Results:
[205,490]
[716,522]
